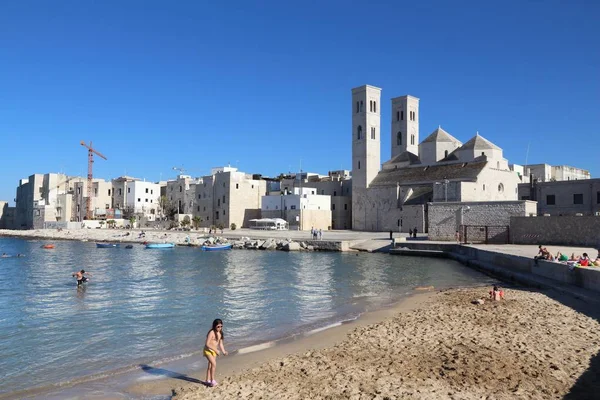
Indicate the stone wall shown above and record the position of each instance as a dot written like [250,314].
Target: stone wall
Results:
[444,219]
[565,230]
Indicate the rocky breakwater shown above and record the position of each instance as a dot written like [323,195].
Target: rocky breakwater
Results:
[286,244]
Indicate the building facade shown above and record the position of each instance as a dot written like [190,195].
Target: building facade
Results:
[439,169]
[561,198]
[302,208]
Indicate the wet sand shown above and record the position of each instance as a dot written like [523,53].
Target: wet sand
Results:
[530,345]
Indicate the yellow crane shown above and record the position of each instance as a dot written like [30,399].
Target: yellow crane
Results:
[91,152]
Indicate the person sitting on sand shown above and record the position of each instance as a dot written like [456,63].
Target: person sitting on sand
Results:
[496,294]
[80,277]
[214,342]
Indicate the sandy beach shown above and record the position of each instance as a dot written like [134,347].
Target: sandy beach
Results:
[531,345]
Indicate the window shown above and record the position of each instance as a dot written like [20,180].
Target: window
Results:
[109,192]
[237,185]
[217,215]
[374,106]
[445,153]
[500,188]
[371,105]
[484,187]
[223,184]
[359,132]
[345,206]
[204,209]
[151,191]
[252,186]
[146,190]
[372,132]
[359,165]
[397,115]
[550,200]
[223,199]
[597,197]
[223,212]
[292,207]
[199,196]
[399,138]
[198,208]
[412,139]
[335,192]
[578,198]
[333,206]
[180,188]
[357,107]
[146,200]
[139,200]
[120,193]
[361,105]
[218,202]
[401,115]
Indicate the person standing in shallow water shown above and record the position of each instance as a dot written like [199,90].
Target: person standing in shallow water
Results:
[214,343]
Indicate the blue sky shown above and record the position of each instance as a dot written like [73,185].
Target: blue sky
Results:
[266,85]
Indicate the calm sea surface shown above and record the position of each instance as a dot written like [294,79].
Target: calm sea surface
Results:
[149,305]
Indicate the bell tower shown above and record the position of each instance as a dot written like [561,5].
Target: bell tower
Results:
[405,125]
[366,142]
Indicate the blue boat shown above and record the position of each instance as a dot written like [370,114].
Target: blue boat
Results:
[214,247]
[160,245]
[107,245]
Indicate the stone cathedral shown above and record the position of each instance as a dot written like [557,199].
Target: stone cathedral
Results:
[395,195]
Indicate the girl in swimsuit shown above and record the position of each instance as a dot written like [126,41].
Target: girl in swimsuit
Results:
[214,342]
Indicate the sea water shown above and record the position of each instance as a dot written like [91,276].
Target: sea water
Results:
[146,305]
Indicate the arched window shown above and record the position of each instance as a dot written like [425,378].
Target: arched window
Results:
[500,188]
[371,105]
[399,138]
[373,132]
[359,132]
[445,153]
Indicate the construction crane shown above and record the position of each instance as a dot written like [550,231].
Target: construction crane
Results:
[180,169]
[91,152]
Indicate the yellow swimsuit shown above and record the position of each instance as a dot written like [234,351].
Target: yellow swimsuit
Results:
[209,352]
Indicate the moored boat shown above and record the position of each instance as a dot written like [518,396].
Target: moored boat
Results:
[48,246]
[214,247]
[160,245]
[107,245]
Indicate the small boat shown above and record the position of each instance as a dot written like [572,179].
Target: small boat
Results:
[129,246]
[214,247]
[107,245]
[48,246]
[160,245]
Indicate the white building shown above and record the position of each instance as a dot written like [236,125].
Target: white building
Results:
[302,208]
[143,198]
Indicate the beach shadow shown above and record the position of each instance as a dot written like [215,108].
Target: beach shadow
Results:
[169,374]
[588,384]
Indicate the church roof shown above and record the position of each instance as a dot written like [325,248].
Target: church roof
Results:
[478,142]
[403,157]
[440,135]
[468,171]
[417,195]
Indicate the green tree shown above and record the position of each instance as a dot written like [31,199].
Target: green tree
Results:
[132,221]
[111,223]
[186,221]
[233,226]
[196,220]
[101,223]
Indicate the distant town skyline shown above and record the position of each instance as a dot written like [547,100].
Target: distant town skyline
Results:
[267,89]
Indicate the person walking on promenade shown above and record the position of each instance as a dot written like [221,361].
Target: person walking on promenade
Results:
[320,234]
[214,343]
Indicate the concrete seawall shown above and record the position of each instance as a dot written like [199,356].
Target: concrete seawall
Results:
[543,274]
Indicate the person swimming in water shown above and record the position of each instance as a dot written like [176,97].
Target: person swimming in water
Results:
[214,342]
[80,276]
